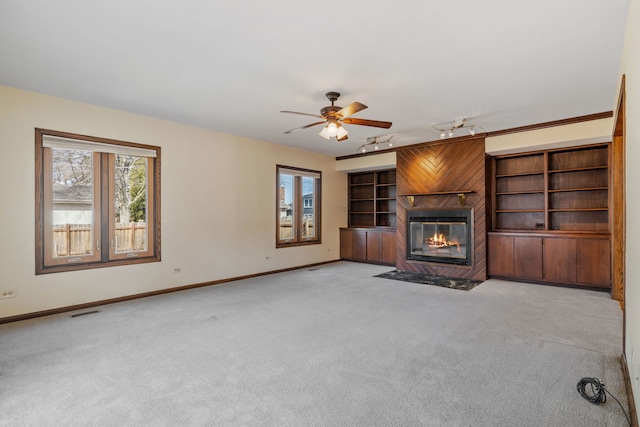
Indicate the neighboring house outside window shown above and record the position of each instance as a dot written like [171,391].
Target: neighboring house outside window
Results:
[96,202]
[308,200]
[298,219]
[72,204]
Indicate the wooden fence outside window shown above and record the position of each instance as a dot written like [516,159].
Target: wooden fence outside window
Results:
[76,239]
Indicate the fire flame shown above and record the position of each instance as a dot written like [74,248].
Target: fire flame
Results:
[440,241]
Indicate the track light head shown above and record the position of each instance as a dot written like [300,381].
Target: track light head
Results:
[449,130]
[375,143]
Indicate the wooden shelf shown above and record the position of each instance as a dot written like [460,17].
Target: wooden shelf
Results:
[569,183]
[439,193]
[515,193]
[578,210]
[372,199]
[591,168]
[562,190]
[519,210]
[519,174]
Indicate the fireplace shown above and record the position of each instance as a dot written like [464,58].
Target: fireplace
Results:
[440,235]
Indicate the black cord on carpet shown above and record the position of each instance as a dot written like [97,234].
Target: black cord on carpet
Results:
[598,393]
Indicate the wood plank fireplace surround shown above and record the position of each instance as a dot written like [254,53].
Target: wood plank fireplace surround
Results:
[439,175]
[537,217]
[434,175]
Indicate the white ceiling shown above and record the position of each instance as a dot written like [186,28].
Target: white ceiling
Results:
[231,66]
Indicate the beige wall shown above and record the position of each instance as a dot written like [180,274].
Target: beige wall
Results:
[367,163]
[590,132]
[218,204]
[631,68]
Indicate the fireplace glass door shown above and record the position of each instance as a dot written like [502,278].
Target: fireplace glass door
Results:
[439,239]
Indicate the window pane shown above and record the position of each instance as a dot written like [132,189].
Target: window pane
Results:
[308,214]
[131,231]
[72,214]
[287,202]
[298,220]
[94,208]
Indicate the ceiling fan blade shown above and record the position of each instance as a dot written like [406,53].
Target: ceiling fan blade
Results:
[365,122]
[343,138]
[351,109]
[303,114]
[304,127]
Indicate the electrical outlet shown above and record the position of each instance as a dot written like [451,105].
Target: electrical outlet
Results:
[267,258]
[177,270]
[8,293]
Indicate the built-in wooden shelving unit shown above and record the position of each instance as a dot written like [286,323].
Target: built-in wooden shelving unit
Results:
[551,217]
[563,189]
[372,199]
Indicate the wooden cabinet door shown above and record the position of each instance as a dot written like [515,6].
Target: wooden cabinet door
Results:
[500,252]
[377,246]
[346,244]
[594,262]
[353,244]
[359,238]
[374,246]
[527,258]
[388,247]
[559,260]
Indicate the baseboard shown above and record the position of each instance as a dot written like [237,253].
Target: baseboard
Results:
[59,310]
[627,381]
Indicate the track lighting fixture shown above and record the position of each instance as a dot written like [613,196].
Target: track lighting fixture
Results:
[375,143]
[450,128]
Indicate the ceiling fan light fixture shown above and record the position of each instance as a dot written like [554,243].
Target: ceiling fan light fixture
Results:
[442,135]
[472,131]
[342,132]
[332,129]
[325,133]
[450,133]
[333,115]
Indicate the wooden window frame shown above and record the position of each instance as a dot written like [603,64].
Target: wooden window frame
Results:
[113,255]
[298,210]
[104,216]
[49,259]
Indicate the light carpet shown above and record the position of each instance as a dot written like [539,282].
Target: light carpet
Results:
[325,346]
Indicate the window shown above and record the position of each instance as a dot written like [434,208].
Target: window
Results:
[298,206]
[97,202]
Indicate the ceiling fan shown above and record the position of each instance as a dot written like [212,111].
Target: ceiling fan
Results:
[335,116]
